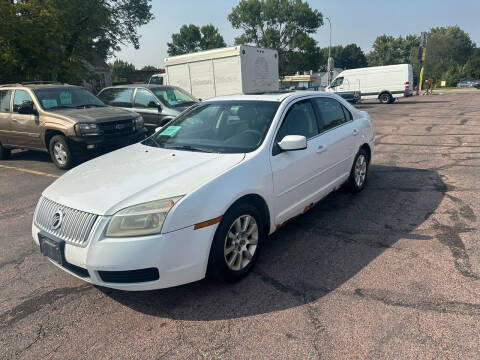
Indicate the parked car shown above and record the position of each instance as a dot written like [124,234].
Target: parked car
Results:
[477,84]
[67,121]
[156,103]
[385,83]
[468,82]
[203,193]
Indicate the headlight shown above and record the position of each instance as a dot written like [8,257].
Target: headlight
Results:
[87,129]
[142,219]
[138,122]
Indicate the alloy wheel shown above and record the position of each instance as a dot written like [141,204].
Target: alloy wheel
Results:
[241,242]
[360,170]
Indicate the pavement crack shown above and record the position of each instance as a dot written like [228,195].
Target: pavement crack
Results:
[36,303]
[438,305]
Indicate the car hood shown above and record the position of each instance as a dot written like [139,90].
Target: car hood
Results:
[134,175]
[95,114]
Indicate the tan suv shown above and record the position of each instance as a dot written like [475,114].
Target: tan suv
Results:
[67,121]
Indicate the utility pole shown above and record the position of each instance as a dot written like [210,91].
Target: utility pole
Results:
[329,60]
[422,52]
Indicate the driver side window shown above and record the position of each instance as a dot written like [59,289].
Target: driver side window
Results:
[300,120]
[338,81]
[143,98]
[21,97]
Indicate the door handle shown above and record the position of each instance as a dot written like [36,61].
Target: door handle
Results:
[355,131]
[14,120]
[321,148]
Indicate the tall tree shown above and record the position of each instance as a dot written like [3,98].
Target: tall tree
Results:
[121,70]
[349,57]
[284,25]
[192,38]
[54,39]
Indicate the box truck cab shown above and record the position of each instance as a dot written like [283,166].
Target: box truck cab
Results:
[232,70]
[385,83]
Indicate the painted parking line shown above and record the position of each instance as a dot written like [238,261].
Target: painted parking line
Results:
[29,171]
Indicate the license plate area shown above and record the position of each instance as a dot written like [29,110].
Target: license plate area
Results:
[53,249]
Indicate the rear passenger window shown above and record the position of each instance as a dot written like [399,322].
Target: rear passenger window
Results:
[121,97]
[331,112]
[300,120]
[5,96]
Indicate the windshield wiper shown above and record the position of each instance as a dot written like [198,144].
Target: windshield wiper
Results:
[59,107]
[88,105]
[189,147]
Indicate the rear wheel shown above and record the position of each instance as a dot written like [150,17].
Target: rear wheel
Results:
[60,152]
[4,153]
[236,243]
[385,98]
[358,174]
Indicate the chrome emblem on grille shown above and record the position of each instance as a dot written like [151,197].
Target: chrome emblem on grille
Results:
[120,126]
[57,219]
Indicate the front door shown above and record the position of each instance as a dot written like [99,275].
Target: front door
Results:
[25,129]
[148,106]
[297,175]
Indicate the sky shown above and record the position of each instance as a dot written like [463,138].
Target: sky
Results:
[353,21]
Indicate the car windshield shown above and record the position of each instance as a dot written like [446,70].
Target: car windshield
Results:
[173,97]
[221,126]
[67,97]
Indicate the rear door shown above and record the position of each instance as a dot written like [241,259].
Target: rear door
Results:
[5,114]
[146,104]
[337,138]
[25,129]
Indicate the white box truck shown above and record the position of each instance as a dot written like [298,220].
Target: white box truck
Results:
[232,70]
[385,83]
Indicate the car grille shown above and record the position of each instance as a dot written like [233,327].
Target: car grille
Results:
[75,225]
[117,128]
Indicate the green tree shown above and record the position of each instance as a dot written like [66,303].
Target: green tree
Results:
[149,68]
[472,66]
[192,38]
[284,25]
[448,51]
[55,39]
[121,70]
[349,57]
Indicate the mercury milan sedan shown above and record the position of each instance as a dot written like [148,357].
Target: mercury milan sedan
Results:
[201,195]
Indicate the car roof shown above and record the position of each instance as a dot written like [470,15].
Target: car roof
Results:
[143,85]
[38,85]
[275,96]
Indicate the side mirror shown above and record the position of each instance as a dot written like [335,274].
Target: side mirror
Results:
[153,104]
[293,142]
[27,109]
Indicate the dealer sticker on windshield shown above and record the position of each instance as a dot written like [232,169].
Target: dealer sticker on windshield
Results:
[170,131]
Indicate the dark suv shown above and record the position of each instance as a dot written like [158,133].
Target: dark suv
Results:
[158,104]
[67,121]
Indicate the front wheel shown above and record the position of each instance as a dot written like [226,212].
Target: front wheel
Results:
[60,152]
[358,174]
[236,243]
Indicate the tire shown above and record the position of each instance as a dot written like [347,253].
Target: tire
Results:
[385,98]
[4,153]
[359,172]
[223,264]
[60,152]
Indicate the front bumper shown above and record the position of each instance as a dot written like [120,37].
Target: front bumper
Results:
[179,256]
[86,146]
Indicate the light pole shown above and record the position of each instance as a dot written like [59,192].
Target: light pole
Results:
[329,61]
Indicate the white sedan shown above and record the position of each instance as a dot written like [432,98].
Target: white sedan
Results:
[201,195]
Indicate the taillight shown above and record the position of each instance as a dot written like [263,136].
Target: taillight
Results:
[407,85]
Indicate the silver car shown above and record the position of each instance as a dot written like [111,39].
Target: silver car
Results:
[158,104]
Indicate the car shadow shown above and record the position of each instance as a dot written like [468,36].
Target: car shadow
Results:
[30,155]
[312,255]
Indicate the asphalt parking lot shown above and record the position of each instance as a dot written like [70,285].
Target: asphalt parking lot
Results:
[392,272]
